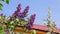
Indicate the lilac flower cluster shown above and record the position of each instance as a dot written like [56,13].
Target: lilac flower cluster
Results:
[1,14]
[31,21]
[19,14]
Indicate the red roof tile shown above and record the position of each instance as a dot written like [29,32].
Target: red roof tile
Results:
[41,27]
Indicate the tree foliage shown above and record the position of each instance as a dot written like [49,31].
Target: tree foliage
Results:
[1,3]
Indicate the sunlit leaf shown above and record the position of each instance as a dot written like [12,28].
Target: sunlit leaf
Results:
[33,32]
[0,17]
[2,32]
[11,22]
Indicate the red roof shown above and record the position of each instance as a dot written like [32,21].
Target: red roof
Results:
[41,27]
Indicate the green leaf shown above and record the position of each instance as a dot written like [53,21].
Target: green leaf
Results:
[11,22]
[2,32]
[26,22]
[4,27]
[7,1]
[3,0]
[33,32]
[1,6]
[20,20]
[0,28]
[1,17]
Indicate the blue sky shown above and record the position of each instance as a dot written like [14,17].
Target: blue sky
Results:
[38,7]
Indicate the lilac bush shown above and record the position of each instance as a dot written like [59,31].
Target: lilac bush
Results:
[8,25]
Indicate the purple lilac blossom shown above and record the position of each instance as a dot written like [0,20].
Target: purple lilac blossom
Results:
[31,21]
